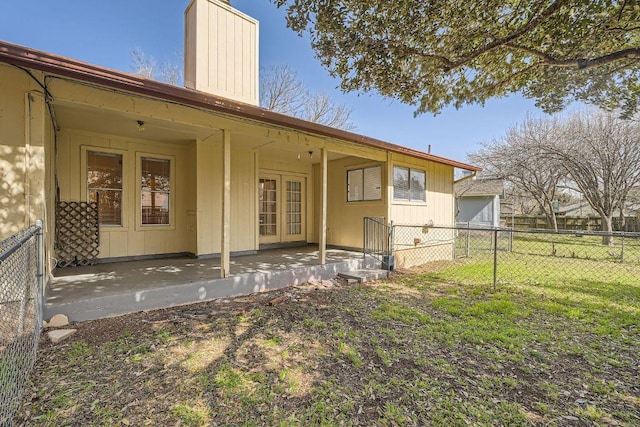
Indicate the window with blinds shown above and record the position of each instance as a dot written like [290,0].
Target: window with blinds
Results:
[409,184]
[364,184]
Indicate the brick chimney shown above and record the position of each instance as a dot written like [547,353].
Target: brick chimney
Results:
[221,51]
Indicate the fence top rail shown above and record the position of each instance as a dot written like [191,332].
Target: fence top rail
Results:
[583,217]
[525,231]
[11,244]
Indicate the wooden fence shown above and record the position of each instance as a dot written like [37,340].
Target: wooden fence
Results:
[567,223]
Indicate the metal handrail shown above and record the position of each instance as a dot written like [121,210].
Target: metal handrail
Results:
[378,241]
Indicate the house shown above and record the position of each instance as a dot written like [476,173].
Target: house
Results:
[199,171]
[580,209]
[478,201]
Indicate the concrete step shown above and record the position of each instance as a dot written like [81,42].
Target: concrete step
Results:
[363,276]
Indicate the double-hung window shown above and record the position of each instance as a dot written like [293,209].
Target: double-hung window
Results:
[155,191]
[364,184]
[104,186]
[409,184]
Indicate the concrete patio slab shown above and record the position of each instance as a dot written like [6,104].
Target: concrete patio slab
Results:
[105,290]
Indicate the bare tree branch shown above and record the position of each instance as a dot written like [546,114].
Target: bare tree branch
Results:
[142,64]
[515,158]
[601,152]
[146,66]
[281,90]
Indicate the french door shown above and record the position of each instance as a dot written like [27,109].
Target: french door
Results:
[281,208]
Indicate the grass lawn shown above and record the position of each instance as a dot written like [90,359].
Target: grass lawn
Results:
[567,245]
[543,259]
[416,350]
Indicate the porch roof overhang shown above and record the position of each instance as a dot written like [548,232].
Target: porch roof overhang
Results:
[45,62]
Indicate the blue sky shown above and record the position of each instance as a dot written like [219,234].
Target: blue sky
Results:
[104,32]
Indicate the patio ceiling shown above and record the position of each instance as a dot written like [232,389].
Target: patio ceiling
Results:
[125,124]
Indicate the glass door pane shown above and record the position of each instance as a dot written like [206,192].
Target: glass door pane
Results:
[268,193]
[281,212]
[294,208]
[294,218]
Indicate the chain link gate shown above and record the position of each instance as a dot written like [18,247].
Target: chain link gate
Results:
[21,298]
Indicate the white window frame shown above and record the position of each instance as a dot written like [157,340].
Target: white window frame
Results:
[361,197]
[409,198]
[172,192]
[84,167]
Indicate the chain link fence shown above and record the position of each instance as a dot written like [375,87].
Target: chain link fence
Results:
[21,294]
[507,255]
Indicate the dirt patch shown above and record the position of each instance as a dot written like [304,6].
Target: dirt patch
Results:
[388,353]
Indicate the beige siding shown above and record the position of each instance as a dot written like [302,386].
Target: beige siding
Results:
[208,195]
[197,189]
[190,45]
[274,163]
[26,157]
[174,115]
[438,208]
[191,199]
[243,194]
[345,219]
[132,238]
[407,258]
[24,133]
[221,51]
[417,244]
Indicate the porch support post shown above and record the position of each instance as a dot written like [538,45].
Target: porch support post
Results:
[225,245]
[322,250]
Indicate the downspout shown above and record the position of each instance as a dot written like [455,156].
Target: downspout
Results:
[48,100]
[464,178]
[27,160]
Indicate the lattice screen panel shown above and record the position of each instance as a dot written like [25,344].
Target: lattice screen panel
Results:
[77,233]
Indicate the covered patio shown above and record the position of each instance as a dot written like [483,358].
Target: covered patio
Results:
[111,289]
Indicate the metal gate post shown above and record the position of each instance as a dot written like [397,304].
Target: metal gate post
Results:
[389,248]
[468,237]
[495,258]
[364,237]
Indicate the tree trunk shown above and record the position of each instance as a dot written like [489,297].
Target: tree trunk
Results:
[607,228]
[553,221]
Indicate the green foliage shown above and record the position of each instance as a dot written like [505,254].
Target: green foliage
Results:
[396,311]
[435,54]
[79,349]
[409,352]
[228,379]
[190,416]
[347,351]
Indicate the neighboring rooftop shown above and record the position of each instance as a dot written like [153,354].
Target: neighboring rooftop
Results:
[583,208]
[480,187]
